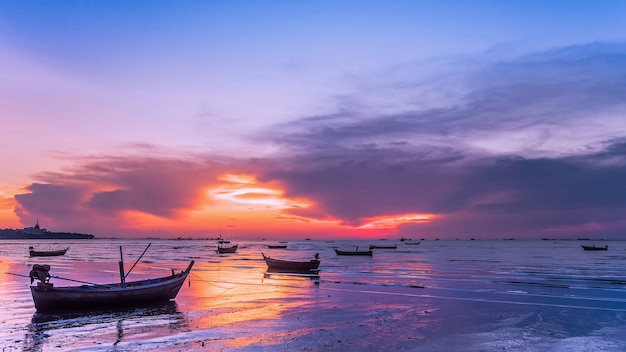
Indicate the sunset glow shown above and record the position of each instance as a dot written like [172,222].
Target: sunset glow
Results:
[391,222]
[244,189]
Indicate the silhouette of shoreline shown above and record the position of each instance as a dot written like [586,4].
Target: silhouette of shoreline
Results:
[12,234]
[38,233]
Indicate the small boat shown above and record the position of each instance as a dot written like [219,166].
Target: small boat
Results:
[276,246]
[48,298]
[292,266]
[33,253]
[227,249]
[382,247]
[412,243]
[594,248]
[355,252]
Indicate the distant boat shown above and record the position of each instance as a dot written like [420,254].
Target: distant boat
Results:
[33,253]
[412,243]
[355,252]
[292,266]
[382,247]
[276,246]
[227,249]
[594,248]
[48,298]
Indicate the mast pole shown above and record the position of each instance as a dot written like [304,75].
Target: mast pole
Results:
[121,262]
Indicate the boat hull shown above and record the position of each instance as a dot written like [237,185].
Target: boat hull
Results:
[60,252]
[594,248]
[278,265]
[48,298]
[364,253]
[231,249]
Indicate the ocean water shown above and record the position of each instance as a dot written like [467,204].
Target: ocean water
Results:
[436,296]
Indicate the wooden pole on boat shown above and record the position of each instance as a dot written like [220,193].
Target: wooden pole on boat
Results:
[122,277]
[144,252]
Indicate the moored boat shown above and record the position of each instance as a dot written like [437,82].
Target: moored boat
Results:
[594,248]
[277,246]
[48,298]
[355,252]
[292,266]
[33,253]
[382,247]
[227,249]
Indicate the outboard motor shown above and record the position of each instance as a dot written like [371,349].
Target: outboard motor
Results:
[40,272]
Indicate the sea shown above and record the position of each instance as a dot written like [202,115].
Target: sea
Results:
[482,295]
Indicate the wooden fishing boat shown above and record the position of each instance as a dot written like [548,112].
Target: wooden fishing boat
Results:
[292,266]
[48,298]
[227,249]
[382,247]
[412,243]
[594,248]
[355,252]
[33,253]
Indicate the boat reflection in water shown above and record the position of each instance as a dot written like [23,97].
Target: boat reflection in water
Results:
[50,331]
[315,277]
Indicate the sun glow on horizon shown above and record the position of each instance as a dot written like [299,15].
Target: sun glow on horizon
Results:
[246,190]
[393,221]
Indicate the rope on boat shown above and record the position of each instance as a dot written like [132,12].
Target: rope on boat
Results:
[132,267]
[63,278]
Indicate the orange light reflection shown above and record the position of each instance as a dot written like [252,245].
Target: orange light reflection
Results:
[392,221]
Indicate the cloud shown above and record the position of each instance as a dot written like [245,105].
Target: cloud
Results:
[103,188]
[531,104]
[533,146]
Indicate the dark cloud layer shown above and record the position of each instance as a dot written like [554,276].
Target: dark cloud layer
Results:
[101,189]
[491,197]
[358,166]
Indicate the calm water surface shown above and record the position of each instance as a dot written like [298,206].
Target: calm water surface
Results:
[437,296]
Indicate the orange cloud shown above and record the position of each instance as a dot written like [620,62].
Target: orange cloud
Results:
[393,221]
[246,190]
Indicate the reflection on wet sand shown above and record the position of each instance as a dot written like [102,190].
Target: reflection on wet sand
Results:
[292,276]
[412,298]
[50,331]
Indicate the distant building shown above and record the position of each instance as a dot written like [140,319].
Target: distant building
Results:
[35,230]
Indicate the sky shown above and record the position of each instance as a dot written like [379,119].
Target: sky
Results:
[314,119]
